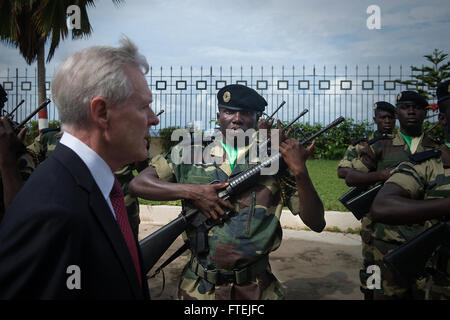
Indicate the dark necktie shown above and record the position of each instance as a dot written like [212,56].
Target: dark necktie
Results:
[118,203]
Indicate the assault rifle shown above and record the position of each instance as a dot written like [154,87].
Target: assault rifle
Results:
[358,200]
[409,260]
[154,245]
[276,110]
[11,114]
[18,126]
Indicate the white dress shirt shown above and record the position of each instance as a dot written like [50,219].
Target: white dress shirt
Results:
[100,171]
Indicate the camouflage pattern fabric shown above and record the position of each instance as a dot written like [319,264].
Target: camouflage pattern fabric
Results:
[383,238]
[45,144]
[243,239]
[423,181]
[351,160]
[351,155]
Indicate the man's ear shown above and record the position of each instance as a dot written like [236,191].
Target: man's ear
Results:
[99,111]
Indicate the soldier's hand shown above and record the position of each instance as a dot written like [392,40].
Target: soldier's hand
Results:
[295,155]
[265,124]
[205,198]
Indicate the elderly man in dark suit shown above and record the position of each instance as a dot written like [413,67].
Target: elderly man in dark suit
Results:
[66,234]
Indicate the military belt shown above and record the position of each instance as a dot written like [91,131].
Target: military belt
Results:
[241,276]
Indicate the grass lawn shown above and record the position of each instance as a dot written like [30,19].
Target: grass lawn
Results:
[323,174]
[324,177]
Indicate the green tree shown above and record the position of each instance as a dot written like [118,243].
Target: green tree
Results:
[426,78]
[29,24]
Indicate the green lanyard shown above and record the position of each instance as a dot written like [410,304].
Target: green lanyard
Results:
[447,144]
[407,139]
[231,153]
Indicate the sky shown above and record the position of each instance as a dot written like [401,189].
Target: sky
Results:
[262,33]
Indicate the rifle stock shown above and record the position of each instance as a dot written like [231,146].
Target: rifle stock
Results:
[409,260]
[359,201]
[154,245]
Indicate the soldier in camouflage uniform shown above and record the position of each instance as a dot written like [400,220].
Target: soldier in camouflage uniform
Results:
[235,264]
[45,143]
[386,154]
[350,166]
[16,164]
[419,191]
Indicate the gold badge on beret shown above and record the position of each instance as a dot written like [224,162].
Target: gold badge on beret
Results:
[399,96]
[375,107]
[226,96]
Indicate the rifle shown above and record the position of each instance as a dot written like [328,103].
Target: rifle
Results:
[408,261]
[359,200]
[276,110]
[154,245]
[11,114]
[18,126]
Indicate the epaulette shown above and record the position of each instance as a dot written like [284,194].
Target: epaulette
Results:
[45,130]
[383,136]
[425,155]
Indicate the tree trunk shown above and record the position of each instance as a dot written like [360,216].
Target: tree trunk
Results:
[42,115]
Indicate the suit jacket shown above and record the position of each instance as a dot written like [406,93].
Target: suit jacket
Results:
[59,239]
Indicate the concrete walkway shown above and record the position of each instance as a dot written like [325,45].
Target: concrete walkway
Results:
[309,265]
[161,215]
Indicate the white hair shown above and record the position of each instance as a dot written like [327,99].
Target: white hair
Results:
[94,72]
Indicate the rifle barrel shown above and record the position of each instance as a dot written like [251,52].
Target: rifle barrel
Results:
[31,115]
[14,110]
[160,113]
[298,117]
[282,104]
[328,127]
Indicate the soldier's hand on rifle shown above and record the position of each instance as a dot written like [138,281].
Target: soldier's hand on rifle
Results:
[265,123]
[205,198]
[295,155]
[10,144]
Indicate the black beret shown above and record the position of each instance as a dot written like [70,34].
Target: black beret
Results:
[385,106]
[443,91]
[412,96]
[239,97]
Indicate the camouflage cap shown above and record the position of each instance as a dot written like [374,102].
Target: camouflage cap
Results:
[443,91]
[384,106]
[412,96]
[239,97]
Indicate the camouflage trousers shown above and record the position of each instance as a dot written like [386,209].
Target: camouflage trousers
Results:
[193,287]
[391,288]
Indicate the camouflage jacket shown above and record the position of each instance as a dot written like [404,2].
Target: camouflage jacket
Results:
[350,159]
[389,153]
[246,237]
[426,180]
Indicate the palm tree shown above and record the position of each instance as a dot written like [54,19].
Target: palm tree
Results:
[28,24]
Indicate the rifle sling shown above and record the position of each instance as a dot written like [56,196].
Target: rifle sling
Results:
[174,255]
